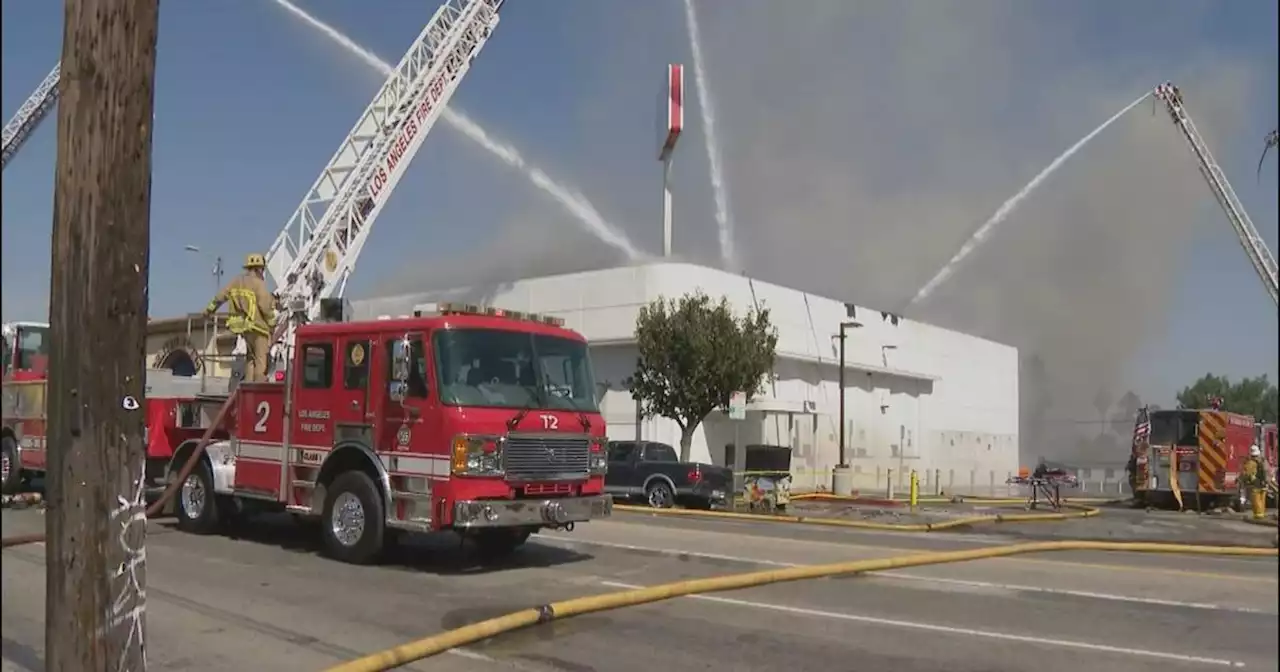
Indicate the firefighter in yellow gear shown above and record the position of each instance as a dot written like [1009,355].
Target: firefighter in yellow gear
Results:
[1253,478]
[252,313]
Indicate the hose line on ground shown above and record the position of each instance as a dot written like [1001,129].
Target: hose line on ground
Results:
[468,634]
[170,490]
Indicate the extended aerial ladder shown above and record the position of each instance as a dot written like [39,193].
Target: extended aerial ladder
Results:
[1254,246]
[33,111]
[315,254]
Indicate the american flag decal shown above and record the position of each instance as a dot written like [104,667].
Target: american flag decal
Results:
[1141,427]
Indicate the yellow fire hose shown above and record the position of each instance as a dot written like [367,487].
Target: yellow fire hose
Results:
[933,499]
[1079,512]
[441,642]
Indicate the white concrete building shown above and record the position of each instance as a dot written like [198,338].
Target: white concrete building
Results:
[917,397]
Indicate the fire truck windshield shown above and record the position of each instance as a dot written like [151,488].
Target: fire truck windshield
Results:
[513,369]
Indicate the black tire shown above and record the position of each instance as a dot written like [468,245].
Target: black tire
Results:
[363,545]
[195,503]
[501,542]
[659,495]
[12,481]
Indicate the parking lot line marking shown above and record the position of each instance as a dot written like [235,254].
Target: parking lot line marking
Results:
[952,630]
[925,579]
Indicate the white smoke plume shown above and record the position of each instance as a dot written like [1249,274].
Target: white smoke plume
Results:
[866,141]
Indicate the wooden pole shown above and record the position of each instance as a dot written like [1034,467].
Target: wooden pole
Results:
[95,524]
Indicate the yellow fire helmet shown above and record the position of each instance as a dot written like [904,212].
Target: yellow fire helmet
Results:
[255,261]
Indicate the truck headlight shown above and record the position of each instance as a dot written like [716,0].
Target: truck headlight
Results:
[477,456]
[599,458]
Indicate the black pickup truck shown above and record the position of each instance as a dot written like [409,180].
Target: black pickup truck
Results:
[653,471]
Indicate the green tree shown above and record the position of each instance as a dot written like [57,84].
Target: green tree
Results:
[1251,396]
[694,354]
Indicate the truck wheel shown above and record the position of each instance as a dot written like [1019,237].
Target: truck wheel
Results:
[354,521]
[497,543]
[659,495]
[197,505]
[10,470]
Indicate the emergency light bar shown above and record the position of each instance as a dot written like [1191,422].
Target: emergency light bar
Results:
[449,308]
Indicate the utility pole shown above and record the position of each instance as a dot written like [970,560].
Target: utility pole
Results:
[96,523]
[842,475]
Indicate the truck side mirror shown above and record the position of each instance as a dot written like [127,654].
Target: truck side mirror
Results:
[401,360]
[401,352]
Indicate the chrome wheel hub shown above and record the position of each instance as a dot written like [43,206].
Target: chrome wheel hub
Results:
[193,496]
[347,519]
[658,498]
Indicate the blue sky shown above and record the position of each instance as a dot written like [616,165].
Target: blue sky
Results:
[851,132]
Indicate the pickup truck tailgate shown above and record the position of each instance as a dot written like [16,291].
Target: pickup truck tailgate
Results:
[716,478]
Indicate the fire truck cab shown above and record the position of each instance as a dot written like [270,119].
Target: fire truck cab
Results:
[25,350]
[464,418]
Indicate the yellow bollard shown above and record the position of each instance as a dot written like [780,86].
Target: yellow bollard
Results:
[915,489]
[1258,498]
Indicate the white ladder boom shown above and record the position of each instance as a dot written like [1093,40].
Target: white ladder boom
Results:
[33,111]
[315,254]
[1254,246]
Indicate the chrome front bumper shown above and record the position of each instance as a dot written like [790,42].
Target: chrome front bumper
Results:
[530,512]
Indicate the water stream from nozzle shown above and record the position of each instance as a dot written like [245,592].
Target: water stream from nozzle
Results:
[724,218]
[577,204]
[1008,207]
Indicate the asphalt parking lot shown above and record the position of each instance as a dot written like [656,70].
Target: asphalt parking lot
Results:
[266,599]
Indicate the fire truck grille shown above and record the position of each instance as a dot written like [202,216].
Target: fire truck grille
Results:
[532,458]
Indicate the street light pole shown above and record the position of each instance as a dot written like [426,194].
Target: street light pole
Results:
[217,266]
[841,478]
[217,273]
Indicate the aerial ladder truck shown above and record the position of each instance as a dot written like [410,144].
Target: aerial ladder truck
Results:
[312,257]
[1255,248]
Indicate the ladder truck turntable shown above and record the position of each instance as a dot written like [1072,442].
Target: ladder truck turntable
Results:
[378,449]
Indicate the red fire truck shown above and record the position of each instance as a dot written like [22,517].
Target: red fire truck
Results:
[170,421]
[461,418]
[1199,451]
